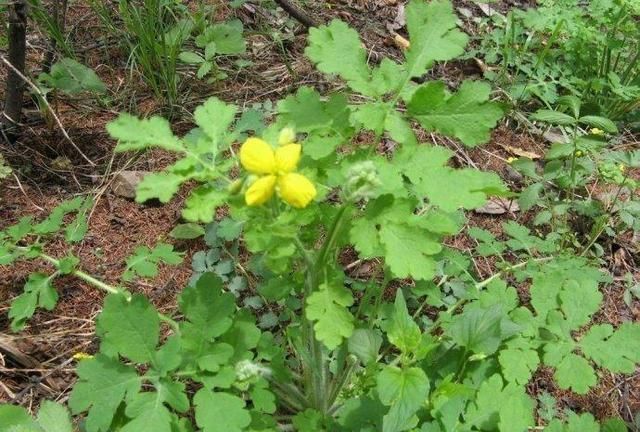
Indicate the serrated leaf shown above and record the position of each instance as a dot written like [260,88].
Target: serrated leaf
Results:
[575,373]
[328,309]
[190,57]
[553,117]
[365,344]
[402,330]
[161,185]
[220,412]
[133,133]
[202,203]
[404,390]
[187,231]
[214,117]
[71,77]
[132,327]
[148,414]
[144,262]
[617,351]
[336,49]
[103,383]
[600,123]
[38,291]
[467,114]
[477,329]
[408,251]
[518,364]
[53,417]
[16,418]
[433,35]
[508,407]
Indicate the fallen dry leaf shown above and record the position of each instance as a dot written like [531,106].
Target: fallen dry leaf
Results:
[497,206]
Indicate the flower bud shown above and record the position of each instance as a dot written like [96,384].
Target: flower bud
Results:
[246,370]
[287,136]
[235,186]
[362,181]
[596,131]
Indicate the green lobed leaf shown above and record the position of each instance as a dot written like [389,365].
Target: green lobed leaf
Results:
[433,35]
[214,117]
[133,133]
[38,292]
[336,49]
[103,383]
[467,114]
[220,412]
[53,417]
[328,309]
[71,77]
[617,351]
[202,203]
[132,327]
[144,262]
[148,414]
[161,185]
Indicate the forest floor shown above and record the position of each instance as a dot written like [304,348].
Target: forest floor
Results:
[37,363]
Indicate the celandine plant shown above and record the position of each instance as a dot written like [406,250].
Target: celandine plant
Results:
[445,352]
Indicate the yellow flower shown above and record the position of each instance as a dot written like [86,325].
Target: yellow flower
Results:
[82,356]
[621,167]
[578,153]
[275,169]
[511,159]
[596,131]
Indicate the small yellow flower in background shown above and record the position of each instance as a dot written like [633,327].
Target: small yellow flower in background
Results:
[621,167]
[579,153]
[511,159]
[82,356]
[275,168]
[596,131]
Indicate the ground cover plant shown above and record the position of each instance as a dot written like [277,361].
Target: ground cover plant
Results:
[272,331]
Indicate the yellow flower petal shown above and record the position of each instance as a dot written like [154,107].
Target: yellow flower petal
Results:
[257,157]
[260,191]
[296,190]
[287,157]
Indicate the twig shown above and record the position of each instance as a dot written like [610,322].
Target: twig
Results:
[37,90]
[293,10]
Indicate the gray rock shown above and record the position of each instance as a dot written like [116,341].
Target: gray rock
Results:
[125,183]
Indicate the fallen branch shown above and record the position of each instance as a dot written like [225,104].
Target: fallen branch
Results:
[297,13]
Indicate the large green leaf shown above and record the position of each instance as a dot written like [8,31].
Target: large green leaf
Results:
[467,114]
[131,328]
[433,35]
[404,391]
[103,383]
[220,412]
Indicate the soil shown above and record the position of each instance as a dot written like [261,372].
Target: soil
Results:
[48,169]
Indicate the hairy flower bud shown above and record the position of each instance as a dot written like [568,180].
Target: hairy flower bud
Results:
[362,181]
[246,370]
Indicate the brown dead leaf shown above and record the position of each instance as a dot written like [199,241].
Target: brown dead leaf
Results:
[498,206]
[520,152]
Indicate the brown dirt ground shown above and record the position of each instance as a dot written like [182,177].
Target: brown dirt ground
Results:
[50,171]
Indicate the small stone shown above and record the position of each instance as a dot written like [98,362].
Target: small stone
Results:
[125,183]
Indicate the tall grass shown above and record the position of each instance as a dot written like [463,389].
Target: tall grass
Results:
[154,32]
